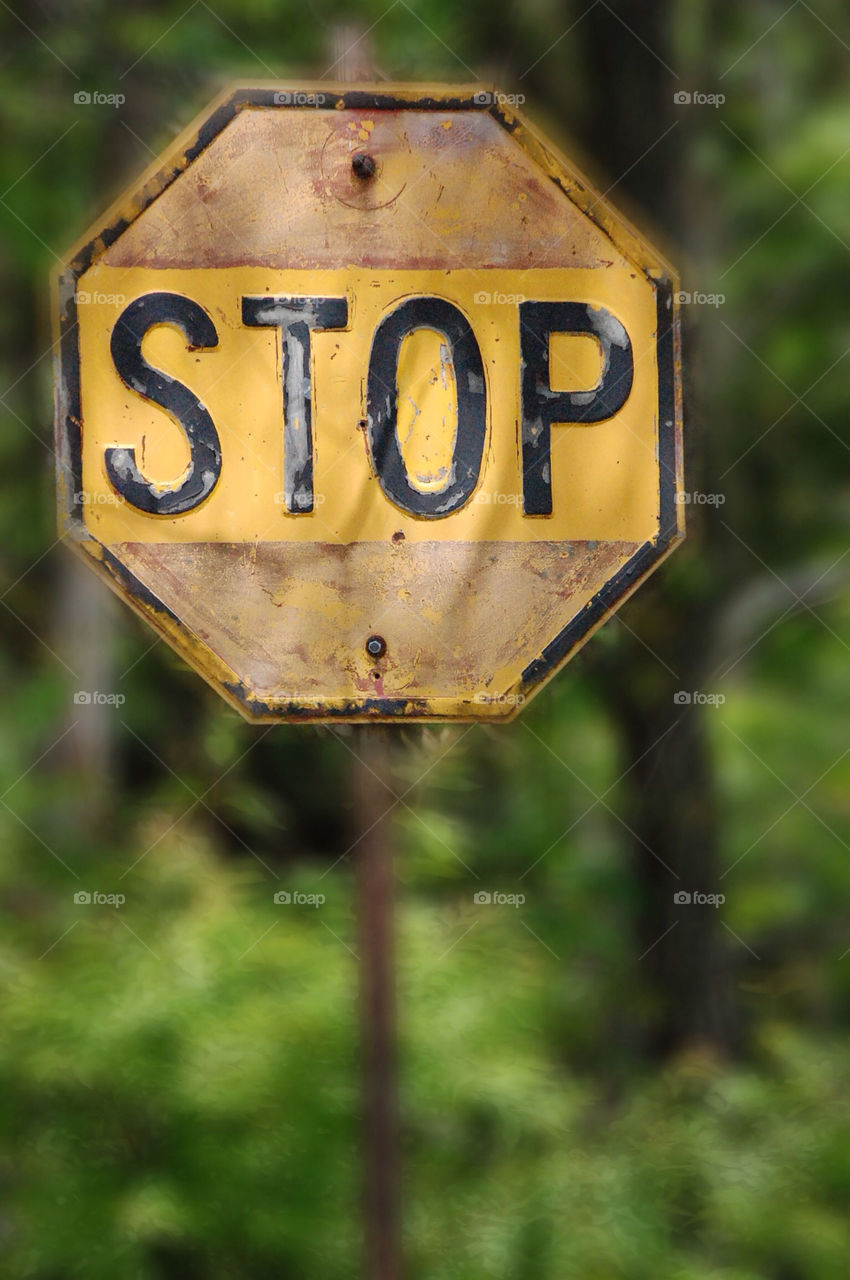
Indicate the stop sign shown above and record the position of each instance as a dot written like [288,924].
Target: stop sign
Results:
[369,403]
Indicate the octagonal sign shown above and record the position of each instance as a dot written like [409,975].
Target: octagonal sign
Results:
[368,403]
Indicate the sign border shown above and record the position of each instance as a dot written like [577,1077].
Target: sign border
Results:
[368,97]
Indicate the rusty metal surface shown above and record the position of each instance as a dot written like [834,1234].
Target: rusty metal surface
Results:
[478,609]
[276,189]
[290,622]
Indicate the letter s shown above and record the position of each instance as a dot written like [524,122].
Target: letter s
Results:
[160,388]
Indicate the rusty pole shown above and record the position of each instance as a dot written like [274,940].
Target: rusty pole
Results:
[374,891]
[374,876]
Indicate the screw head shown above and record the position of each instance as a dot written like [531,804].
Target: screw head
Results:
[376,646]
[364,165]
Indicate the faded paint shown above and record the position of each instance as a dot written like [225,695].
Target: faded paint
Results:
[427,409]
[239,384]
[478,608]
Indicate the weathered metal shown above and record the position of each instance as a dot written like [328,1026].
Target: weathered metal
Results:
[301,405]
[374,880]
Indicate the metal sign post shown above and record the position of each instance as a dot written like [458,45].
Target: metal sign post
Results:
[373,870]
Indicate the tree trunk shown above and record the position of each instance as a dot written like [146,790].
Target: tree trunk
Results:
[634,129]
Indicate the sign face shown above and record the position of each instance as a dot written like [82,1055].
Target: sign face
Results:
[368,403]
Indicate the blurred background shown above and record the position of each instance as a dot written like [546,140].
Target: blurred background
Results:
[602,1082]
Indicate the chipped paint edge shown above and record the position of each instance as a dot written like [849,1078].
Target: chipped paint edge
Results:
[175,159]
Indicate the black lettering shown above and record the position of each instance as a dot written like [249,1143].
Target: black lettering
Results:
[295,318]
[541,406]
[382,407]
[160,388]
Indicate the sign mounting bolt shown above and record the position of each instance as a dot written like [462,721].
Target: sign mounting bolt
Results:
[376,646]
[364,165]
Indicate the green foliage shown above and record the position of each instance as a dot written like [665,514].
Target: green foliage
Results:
[179,1088]
[179,1075]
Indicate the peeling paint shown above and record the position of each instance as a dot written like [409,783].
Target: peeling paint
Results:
[277,626]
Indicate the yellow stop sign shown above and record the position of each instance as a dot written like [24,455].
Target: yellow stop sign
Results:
[368,403]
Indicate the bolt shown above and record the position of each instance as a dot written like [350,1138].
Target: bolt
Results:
[376,646]
[363,165]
